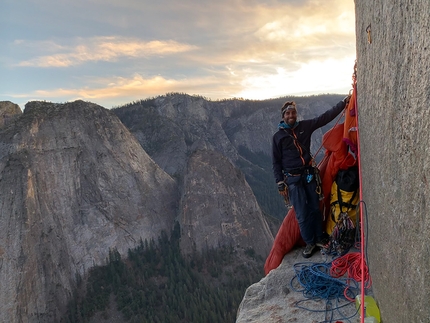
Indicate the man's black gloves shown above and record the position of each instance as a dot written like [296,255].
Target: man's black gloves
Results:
[282,187]
[346,99]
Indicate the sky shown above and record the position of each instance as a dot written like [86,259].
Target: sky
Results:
[113,52]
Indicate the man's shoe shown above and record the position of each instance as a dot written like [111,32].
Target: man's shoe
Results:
[308,250]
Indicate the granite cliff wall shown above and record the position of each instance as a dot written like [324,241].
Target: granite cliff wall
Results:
[74,183]
[393,93]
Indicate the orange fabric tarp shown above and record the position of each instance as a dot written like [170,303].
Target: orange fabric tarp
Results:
[340,144]
[287,237]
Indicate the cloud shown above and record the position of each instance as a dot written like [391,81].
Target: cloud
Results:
[229,83]
[308,27]
[106,49]
[277,34]
[329,76]
[114,91]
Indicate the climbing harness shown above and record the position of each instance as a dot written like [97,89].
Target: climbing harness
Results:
[313,165]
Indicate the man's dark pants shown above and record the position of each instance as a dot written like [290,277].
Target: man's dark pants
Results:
[305,200]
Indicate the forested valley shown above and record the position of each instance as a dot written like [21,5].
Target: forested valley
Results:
[156,283]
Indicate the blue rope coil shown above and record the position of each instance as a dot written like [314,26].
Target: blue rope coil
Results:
[316,283]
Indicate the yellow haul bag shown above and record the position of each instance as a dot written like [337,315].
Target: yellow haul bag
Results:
[341,201]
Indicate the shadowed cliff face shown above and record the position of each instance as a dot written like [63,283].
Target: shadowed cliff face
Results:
[219,208]
[73,183]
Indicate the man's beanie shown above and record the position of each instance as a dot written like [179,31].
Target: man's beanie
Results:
[289,105]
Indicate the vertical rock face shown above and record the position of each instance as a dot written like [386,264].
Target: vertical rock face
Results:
[73,183]
[219,208]
[393,100]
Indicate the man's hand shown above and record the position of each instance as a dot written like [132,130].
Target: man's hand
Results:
[282,189]
[346,99]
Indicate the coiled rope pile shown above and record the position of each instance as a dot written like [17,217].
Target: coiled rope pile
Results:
[336,282]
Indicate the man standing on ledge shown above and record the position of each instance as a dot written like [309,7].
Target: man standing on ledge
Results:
[294,174]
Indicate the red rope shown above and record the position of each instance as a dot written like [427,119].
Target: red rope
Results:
[354,264]
[363,264]
[350,264]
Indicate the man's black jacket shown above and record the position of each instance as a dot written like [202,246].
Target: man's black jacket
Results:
[287,153]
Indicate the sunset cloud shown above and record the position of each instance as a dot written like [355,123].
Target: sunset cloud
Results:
[133,88]
[106,49]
